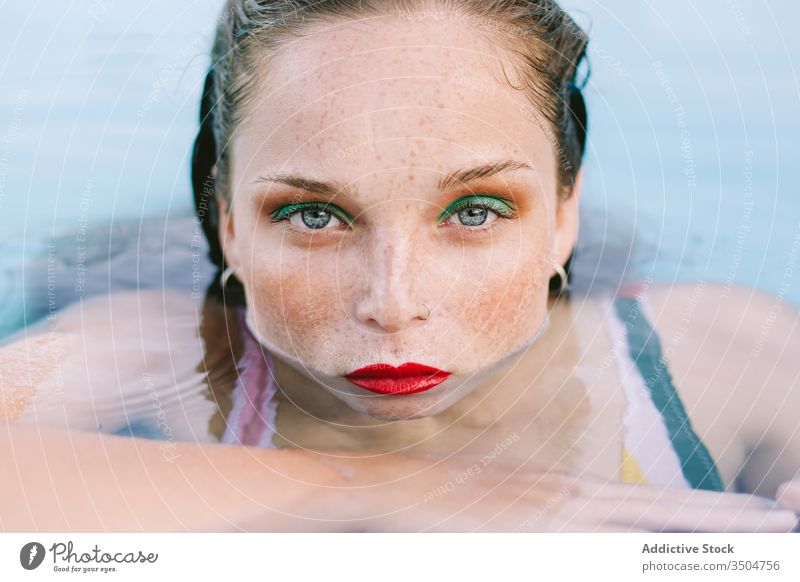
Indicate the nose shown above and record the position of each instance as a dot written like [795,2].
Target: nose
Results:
[391,273]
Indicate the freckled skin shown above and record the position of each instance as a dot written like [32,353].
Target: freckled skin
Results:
[370,108]
[34,361]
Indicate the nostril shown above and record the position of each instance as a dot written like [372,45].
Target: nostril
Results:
[392,318]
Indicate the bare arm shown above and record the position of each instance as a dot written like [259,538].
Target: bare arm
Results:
[56,480]
[57,477]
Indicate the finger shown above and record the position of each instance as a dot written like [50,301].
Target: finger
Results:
[777,521]
[788,495]
[662,514]
[685,497]
[695,519]
[578,526]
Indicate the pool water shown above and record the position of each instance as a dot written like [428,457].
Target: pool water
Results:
[692,164]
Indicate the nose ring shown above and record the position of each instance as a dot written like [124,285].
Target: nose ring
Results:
[429,311]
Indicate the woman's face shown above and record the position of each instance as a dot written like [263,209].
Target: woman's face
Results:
[440,184]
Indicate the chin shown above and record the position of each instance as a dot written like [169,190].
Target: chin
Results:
[399,407]
[391,415]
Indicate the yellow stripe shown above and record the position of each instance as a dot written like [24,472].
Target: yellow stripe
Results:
[630,472]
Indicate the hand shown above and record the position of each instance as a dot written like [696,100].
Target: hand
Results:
[463,494]
[788,497]
[660,509]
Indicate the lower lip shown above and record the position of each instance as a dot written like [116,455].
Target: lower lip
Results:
[405,385]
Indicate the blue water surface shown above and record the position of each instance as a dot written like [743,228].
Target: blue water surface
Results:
[692,167]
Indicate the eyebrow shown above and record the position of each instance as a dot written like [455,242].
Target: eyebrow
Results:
[453,179]
[459,177]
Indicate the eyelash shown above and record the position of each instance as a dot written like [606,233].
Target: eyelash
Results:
[286,212]
[501,207]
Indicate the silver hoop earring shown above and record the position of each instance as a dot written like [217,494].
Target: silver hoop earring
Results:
[429,311]
[562,275]
[225,276]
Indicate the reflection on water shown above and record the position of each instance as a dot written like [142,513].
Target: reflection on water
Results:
[690,166]
[152,363]
[691,155]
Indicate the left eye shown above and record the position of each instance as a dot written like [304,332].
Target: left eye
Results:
[473,216]
[478,212]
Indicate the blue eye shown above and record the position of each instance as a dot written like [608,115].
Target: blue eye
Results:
[312,216]
[473,211]
[474,215]
[477,210]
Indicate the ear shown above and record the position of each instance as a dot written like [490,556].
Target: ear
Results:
[227,233]
[567,222]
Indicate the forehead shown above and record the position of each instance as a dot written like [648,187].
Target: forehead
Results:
[407,90]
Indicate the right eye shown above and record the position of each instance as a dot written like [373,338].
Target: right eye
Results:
[312,216]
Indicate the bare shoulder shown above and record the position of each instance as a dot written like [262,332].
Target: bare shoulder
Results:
[148,311]
[97,349]
[733,353]
[729,307]
[737,334]
[732,341]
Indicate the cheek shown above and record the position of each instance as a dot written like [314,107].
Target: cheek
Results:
[297,301]
[502,301]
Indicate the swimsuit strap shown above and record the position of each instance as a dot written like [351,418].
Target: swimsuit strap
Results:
[648,456]
[661,445]
[644,349]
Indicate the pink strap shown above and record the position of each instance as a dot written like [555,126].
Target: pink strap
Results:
[252,418]
[632,289]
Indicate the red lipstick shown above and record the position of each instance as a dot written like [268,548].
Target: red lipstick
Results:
[408,378]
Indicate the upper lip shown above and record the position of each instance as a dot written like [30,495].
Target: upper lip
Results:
[406,370]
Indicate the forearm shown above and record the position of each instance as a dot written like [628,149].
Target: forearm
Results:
[54,480]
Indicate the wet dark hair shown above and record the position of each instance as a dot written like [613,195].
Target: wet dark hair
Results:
[549,43]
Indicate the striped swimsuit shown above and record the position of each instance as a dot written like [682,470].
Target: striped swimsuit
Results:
[659,445]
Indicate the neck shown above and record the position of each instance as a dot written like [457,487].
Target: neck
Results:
[510,397]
